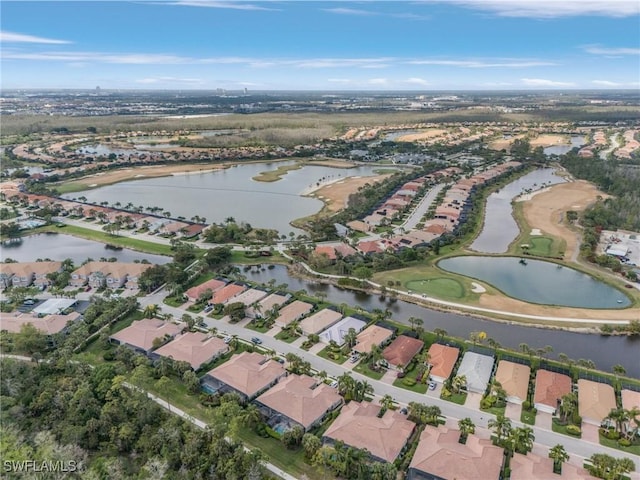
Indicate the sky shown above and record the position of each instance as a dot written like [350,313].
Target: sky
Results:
[417,45]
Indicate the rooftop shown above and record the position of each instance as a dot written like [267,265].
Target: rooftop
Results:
[293,311]
[338,331]
[514,378]
[535,467]
[248,373]
[142,333]
[195,348]
[595,399]
[442,359]
[54,305]
[49,325]
[551,387]
[372,335]
[402,350]
[213,285]
[227,293]
[320,320]
[477,368]
[630,399]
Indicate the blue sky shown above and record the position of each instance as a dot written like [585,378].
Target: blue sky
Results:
[296,45]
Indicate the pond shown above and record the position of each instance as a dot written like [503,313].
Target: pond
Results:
[537,281]
[604,351]
[576,142]
[230,192]
[60,246]
[500,228]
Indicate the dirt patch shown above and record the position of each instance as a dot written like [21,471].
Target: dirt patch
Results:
[549,140]
[330,162]
[503,143]
[336,195]
[425,135]
[545,211]
[115,176]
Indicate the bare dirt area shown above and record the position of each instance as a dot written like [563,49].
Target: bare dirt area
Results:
[331,162]
[335,195]
[504,143]
[548,140]
[424,135]
[545,211]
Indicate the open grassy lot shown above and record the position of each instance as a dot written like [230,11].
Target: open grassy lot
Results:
[278,173]
[438,287]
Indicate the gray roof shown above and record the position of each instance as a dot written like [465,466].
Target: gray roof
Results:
[477,368]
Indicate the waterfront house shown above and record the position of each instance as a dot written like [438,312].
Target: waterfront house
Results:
[140,335]
[595,401]
[442,359]
[401,351]
[195,348]
[550,387]
[477,369]
[370,336]
[514,378]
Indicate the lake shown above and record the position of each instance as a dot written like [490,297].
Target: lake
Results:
[576,142]
[604,351]
[60,246]
[500,228]
[230,192]
[538,281]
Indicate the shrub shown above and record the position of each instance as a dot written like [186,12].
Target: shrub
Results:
[610,434]
[574,430]
[272,433]
[624,442]
[446,393]
[109,356]
[409,382]
[526,405]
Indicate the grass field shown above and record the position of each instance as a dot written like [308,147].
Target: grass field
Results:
[539,245]
[438,287]
[278,173]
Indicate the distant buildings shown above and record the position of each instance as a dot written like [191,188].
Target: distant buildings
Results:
[25,274]
[108,274]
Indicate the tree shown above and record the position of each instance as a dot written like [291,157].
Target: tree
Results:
[350,337]
[467,427]
[609,468]
[458,382]
[292,437]
[559,455]
[415,321]
[440,333]
[501,427]
[30,339]
[191,381]
[151,311]
[568,406]
[311,444]
[386,401]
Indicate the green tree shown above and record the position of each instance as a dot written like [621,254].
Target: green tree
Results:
[467,427]
[559,455]
[311,444]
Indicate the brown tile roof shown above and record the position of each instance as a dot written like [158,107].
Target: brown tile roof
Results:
[630,399]
[301,398]
[372,335]
[442,359]
[358,426]
[48,325]
[195,348]
[551,387]
[213,285]
[440,455]
[227,293]
[514,378]
[535,467]
[248,373]
[320,320]
[595,400]
[142,333]
[370,246]
[402,350]
[116,269]
[27,268]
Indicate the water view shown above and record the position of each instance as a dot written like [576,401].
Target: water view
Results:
[537,281]
[604,351]
[500,228]
[576,142]
[230,193]
[60,247]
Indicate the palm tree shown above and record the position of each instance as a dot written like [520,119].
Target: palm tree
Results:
[501,427]
[467,427]
[440,333]
[346,384]
[386,402]
[251,416]
[151,311]
[523,439]
[413,321]
[458,382]
[559,455]
[568,406]
[374,357]
[350,337]
[619,416]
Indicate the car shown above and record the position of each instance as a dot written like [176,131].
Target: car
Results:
[29,302]
[334,384]
[432,385]
[227,339]
[208,309]
[354,358]
[256,340]
[280,360]
[88,289]
[404,411]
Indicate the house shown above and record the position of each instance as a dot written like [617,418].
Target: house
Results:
[535,467]
[338,331]
[194,348]
[249,297]
[140,335]
[595,401]
[514,378]
[370,336]
[477,369]
[192,230]
[25,274]
[333,250]
[193,294]
[439,455]
[49,324]
[247,374]
[294,311]
[266,305]
[298,400]
[442,359]
[630,399]
[359,426]
[227,293]
[319,321]
[401,351]
[108,274]
[54,306]
[550,387]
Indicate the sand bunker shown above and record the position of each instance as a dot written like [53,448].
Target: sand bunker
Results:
[477,288]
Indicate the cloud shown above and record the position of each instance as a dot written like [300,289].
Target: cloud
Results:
[552,8]
[417,81]
[484,64]
[349,11]
[606,83]
[542,82]
[218,4]
[172,80]
[596,50]
[10,37]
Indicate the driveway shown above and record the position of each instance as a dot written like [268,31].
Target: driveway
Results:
[590,433]
[473,400]
[544,420]
[513,411]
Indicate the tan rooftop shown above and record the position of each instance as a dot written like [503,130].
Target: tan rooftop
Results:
[630,399]
[442,359]
[320,321]
[195,348]
[273,300]
[595,400]
[293,311]
[213,285]
[117,269]
[551,387]
[227,293]
[49,325]
[248,373]
[514,378]
[358,426]
[402,350]
[535,467]
[27,268]
[300,398]
[440,454]
[372,335]
[251,296]
[142,333]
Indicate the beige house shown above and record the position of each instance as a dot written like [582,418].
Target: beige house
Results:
[25,274]
[550,388]
[248,374]
[141,334]
[514,378]
[442,359]
[358,426]
[595,401]
[49,324]
[370,336]
[630,399]
[193,294]
[266,305]
[251,296]
[294,311]
[535,467]
[194,348]
[319,321]
[439,455]
[108,274]
[298,399]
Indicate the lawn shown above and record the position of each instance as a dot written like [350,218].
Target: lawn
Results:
[438,287]
[633,449]
[528,417]
[557,428]
[174,302]
[417,388]
[285,337]
[459,398]
[94,352]
[363,368]
[256,328]
[326,354]
[494,410]
[539,245]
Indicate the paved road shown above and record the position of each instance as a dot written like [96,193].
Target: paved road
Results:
[416,215]
[453,411]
